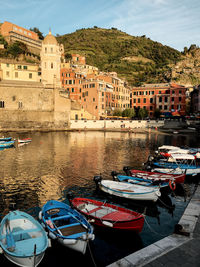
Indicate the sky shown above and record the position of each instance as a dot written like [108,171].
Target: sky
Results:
[175,23]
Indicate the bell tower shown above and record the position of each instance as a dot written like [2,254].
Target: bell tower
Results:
[50,61]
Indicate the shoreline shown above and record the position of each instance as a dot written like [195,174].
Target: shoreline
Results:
[153,252]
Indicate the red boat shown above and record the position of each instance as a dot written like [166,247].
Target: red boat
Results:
[156,176]
[108,215]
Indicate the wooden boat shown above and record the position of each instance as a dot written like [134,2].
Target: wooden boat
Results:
[7,144]
[25,140]
[22,239]
[139,180]
[5,139]
[66,225]
[127,190]
[108,215]
[189,164]
[156,176]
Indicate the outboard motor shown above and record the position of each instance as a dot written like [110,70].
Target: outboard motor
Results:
[114,175]
[127,169]
[97,180]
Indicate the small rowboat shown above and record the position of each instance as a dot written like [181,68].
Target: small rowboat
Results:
[5,139]
[156,176]
[25,140]
[22,239]
[127,190]
[7,144]
[139,180]
[108,215]
[66,225]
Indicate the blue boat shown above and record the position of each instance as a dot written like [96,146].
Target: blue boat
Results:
[6,144]
[22,239]
[138,181]
[67,225]
[5,139]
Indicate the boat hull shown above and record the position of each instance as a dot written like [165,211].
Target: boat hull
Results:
[159,175]
[120,189]
[26,261]
[108,215]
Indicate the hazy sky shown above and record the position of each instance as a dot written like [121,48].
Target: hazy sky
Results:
[175,23]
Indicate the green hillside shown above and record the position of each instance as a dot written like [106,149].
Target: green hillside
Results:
[137,59]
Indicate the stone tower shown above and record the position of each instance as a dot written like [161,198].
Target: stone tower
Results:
[50,61]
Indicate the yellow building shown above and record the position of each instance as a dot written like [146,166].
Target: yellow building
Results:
[19,71]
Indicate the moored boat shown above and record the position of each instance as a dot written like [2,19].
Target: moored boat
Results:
[156,176]
[66,225]
[7,144]
[139,180]
[22,239]
[107,215]
[127,190]
[25,140]
[5,139]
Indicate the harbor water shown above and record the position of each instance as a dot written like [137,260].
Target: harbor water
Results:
[56,163]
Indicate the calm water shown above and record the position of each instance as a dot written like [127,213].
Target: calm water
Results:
[54,164]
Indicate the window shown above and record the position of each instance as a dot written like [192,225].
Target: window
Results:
[165,107]
[16,74]
[151,100]
[179,99]
[172,99]
[72,90]
[7,73]
[20,105]
[25,67]
[45,49]
[2,104]
[51,65]
[160,99]
[144,100]
[93,99]
[51,49]
[30,75]
[166,98]
[19,67]
[138,100]
[7,65]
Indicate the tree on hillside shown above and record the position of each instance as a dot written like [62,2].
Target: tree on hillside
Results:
[36,30]
[3,41]
[16,48]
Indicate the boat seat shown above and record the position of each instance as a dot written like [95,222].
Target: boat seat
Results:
[64,226]
[26,246]
[61,217]
[70,230]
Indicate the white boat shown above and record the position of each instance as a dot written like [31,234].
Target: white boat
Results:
[127,190]
[22,239]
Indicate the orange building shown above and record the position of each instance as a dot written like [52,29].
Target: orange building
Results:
[12,32]
[167,97]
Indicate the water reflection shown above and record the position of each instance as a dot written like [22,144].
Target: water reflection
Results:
[55,163]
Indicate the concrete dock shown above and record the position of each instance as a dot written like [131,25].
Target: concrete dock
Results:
[179,249]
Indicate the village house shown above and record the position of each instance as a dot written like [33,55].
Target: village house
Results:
[167,97]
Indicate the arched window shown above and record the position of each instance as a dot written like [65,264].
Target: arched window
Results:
[51,65]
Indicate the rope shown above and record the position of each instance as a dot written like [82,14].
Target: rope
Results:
[152,228]
[165,204]
[91,254]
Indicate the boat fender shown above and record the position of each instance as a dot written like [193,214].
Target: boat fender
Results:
[114,175]
[107,223]
[158,193]
[69,241]
[91,236]
[172,185]
[40,215]
[52,235]
[150,158]
[1,250]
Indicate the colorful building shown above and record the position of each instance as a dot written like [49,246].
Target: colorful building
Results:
[168,97]
[12,32]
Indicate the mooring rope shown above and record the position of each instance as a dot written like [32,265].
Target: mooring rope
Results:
[91,254]
[165,204]
[152,228]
